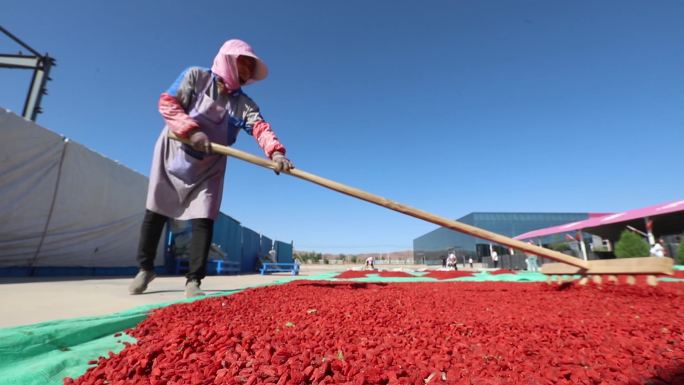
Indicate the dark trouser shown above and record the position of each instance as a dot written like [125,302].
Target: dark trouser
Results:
[200,241]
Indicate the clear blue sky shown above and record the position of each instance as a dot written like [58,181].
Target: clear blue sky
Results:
[447,106]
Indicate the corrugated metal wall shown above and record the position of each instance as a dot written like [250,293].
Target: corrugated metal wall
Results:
[266,245]
[283,252]
[228,236]
[251,243]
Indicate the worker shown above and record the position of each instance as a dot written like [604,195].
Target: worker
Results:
[186,181]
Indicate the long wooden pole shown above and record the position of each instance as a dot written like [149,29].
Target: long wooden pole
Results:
[392,205]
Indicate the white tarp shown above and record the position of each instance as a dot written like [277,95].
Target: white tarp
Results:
[62,204]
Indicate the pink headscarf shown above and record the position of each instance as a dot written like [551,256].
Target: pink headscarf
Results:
[225,63]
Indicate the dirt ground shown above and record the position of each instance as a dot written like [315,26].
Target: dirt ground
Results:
[29,300]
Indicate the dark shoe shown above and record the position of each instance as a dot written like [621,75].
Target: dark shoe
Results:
[140,282]
[192,289]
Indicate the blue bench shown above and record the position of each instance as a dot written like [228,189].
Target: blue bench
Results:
[226,267]
[214,266]
[270,267]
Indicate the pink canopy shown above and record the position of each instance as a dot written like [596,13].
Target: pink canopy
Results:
[605,219]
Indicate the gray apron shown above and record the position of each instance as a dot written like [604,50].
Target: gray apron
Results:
[188,184]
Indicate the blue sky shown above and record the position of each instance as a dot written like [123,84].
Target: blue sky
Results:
[447,106]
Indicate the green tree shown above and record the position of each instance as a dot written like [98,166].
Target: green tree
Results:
[311,256]
[560,246]
[631,245]
[680,252]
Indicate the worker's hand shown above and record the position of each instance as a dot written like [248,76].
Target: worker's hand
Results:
[200,141]
[282,163]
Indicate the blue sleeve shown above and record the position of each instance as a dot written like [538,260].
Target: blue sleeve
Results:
[184,88]
[180,83]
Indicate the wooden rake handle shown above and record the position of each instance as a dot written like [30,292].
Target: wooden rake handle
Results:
[392,205]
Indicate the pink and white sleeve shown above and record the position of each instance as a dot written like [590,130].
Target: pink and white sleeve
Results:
[175,116]
[266,138]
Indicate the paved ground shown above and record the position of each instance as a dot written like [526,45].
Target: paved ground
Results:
[29,300]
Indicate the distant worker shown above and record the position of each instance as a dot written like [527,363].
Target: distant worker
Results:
[370,262]
[186,181]
[495,258]
[470,261]
[658,250]
[451,261]
[531,260]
